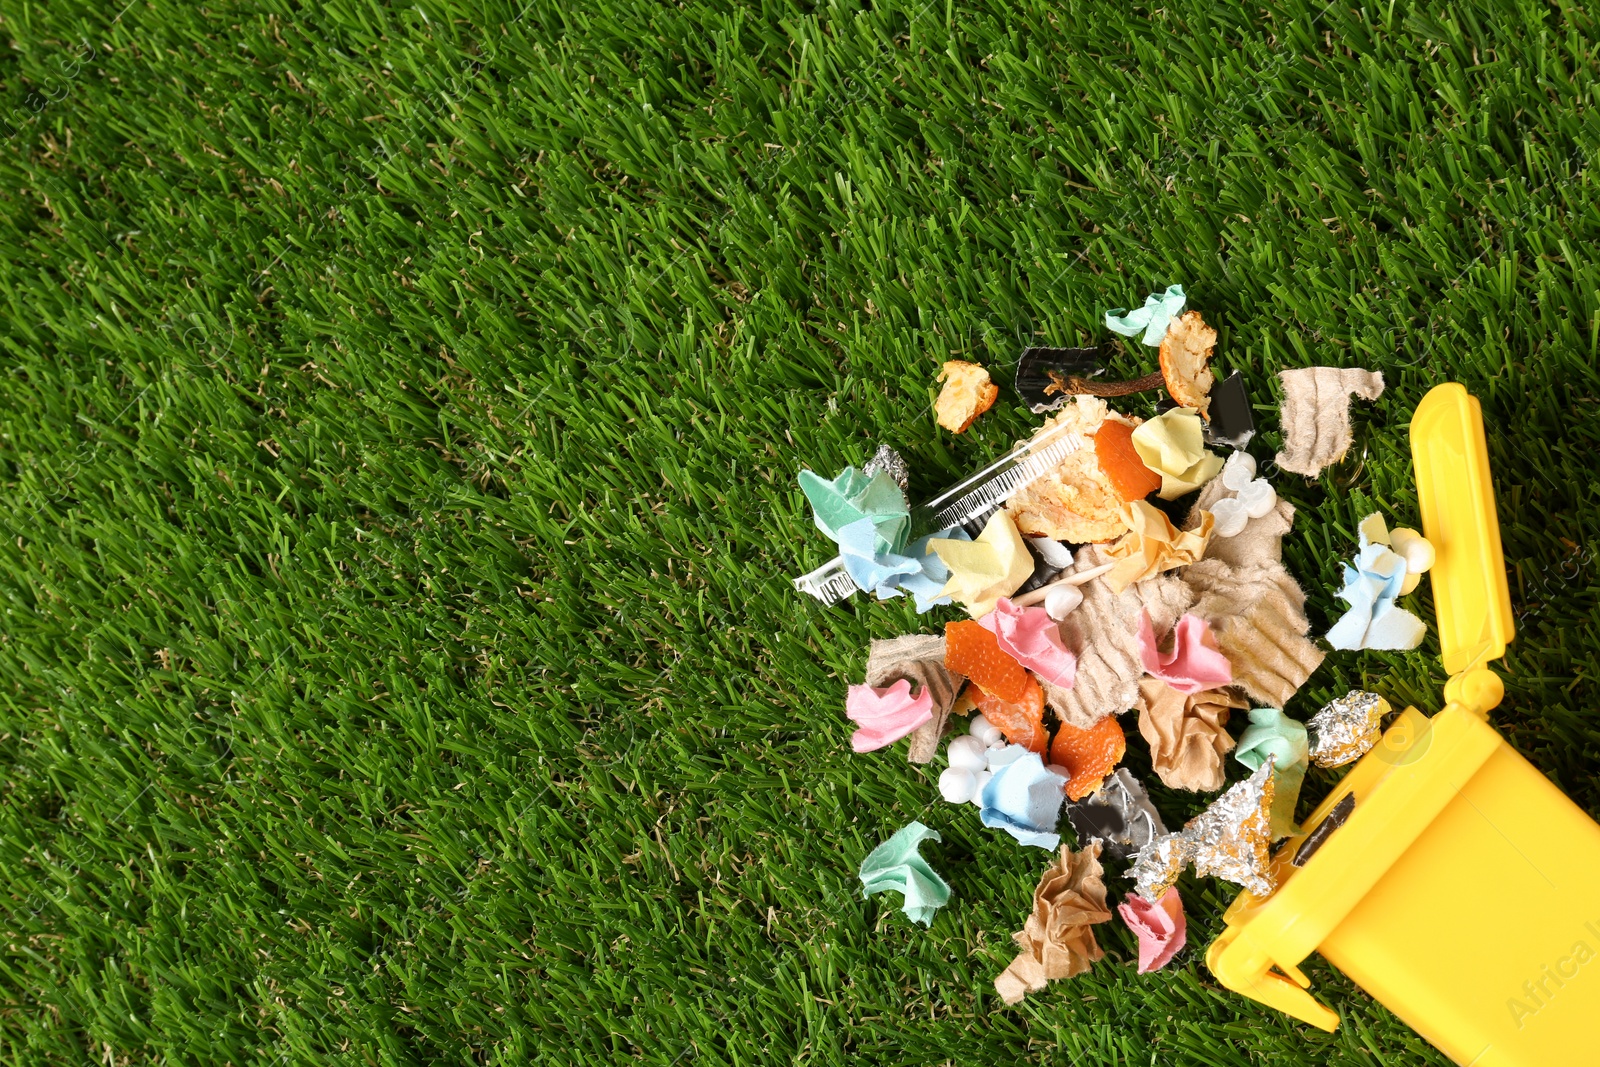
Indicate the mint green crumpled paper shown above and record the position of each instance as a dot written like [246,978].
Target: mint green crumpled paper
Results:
[1152,318]
[1272,733]
[896,865]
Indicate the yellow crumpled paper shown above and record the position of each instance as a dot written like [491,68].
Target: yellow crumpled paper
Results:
[1173,445]
[1154,545]
[983,571]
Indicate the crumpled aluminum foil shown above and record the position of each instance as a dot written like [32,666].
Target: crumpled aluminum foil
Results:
[888,460]
[1346,729]
[1159,864]
[1231,839]
[1119,814]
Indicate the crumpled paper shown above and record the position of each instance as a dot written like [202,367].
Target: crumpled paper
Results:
[885,715]
[1153,318]
[1232,836]
[854,496]
[1173,445]
[997,564]
[897,865]
[1032,638]
[1160,927]
[1273,734]
[1153,545]
[1103,632]
[1024,799]
[1316,414]
[1347,728]
[918,658]
[919,571]
[1119,815]
[1188,735]
[1057,941]
[1371,588]
[1195,662]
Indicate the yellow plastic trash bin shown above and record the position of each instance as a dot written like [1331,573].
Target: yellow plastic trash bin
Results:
[1463,890]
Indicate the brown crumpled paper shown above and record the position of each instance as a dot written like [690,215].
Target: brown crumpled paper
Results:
[1103,632]
[1257,614]
[1154,545]
[1188,735]
[1316,414]
[919,658]
[1058,941]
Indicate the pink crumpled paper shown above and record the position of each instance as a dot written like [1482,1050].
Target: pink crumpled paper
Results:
[1032,638]
[886,715]
[1194,665]
[1161,928]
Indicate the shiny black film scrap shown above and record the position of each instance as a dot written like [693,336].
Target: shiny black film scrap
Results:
[1318,837]
[1038,369]
[1231,422]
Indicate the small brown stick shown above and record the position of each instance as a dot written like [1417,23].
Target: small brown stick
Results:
[1069,386]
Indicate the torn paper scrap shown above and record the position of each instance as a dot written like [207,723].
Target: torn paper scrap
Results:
[1153,545]
[1024,799]
[919,659]
[1187,734]
[1103,632]
[1160,928]
[896,865]
[1231,838]
[1057,941]
[1152,319]
[853,496]
[1316,414]
[1258,616]
[1273,734]
[1119,815]
[886,715]
[1186,361]
[1074,501]
[1032,638]
[1195,663]
[982,571]
[1173,445]
[967,393]
[1347,728]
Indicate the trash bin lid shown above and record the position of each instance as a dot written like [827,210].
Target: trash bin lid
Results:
[1456,498]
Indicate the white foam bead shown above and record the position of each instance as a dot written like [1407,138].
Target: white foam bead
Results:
[1062,601]
[984,730]
[1237,472]
[1413,579]
[1231,517]
[1417,550]
[966,753]
[1258,498]
[982,780]
[958,786]
[1005,755]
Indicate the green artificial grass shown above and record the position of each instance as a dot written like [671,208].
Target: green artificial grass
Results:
[399,420]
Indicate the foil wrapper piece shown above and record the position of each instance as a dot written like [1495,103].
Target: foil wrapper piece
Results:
[1231,838]
[1159,864]
[1119,815]
[1347,728]
[890,462]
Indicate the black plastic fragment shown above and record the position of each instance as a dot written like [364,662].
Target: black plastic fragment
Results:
[1036,365]
[1232,422]
[1318,837]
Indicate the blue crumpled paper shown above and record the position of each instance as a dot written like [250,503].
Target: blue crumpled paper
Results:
[1024,798]
[1371,588]
[1271,733]
[1152,318]
[897,865]
[918,571]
